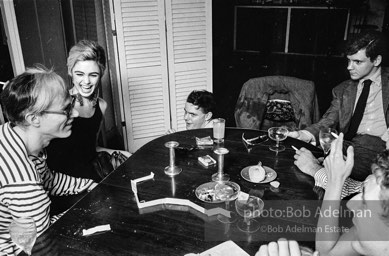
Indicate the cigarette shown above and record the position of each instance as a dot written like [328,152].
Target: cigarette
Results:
[335,135]
[294,148]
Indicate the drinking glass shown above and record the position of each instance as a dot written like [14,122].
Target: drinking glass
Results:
[326,137]
[278,134]
[227,197]
[219,125]
[249,209]
[23,233]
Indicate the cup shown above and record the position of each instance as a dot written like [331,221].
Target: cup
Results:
[219,125]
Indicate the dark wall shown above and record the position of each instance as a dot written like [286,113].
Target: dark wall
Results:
[232,68]
[6,71]
[41,34]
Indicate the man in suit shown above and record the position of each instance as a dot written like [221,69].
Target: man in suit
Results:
[358,108]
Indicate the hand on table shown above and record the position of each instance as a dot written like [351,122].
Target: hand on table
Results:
[284,247]
[306,162]
[338,166]
[299,135]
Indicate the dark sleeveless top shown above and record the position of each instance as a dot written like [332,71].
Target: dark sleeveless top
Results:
[73,155]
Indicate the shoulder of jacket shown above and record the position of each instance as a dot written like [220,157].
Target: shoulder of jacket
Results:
[344,85]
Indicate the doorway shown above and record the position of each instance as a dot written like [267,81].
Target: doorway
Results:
[6,71]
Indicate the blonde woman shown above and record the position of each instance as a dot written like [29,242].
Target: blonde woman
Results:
[75,154]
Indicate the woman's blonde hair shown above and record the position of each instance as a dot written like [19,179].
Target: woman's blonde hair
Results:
[86,50]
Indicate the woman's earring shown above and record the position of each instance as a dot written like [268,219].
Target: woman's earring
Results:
[79,99]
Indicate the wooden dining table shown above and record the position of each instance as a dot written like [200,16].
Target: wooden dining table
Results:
[178,230]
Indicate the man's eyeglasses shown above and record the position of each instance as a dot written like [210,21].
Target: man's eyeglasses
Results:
[67,111]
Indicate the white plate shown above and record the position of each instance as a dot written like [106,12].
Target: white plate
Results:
[270,174]
[215,192]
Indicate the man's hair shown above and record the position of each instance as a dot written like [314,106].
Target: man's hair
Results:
[372,41]
[202,99]
[86,50]
[380,168]
[33,91]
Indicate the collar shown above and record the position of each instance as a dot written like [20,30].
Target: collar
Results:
[375,78]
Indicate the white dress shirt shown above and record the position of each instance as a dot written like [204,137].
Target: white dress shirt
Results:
[373,120]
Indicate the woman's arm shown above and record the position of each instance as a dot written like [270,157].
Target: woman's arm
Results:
[103,106]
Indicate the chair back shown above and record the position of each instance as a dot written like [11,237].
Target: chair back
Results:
[258,95]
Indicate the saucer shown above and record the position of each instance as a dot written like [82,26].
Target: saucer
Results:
[270,174]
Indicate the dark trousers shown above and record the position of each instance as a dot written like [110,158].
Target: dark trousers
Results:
[366,148]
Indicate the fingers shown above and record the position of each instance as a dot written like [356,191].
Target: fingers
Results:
[350,156]
[294,248]
[283,247]
[336,146]
[273,249]
[262,251]
[294,134]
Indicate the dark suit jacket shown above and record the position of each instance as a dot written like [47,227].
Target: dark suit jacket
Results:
[339,116]
[340,112]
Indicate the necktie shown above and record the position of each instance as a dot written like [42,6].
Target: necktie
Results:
[359,110]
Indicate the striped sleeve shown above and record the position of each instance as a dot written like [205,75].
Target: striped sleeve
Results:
[21,192]
[350,186]
[58,183]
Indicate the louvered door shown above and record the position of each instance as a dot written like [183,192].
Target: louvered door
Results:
[189,41]
[143,69]
[164,52]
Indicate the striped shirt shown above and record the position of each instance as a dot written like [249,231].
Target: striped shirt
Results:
[25,182]
[350,186]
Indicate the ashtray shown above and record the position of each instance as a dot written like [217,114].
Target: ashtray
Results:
[217,192]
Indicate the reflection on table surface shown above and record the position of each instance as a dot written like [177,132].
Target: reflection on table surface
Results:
[177,230]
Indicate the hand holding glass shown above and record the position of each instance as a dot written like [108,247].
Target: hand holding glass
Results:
[326,137]
[278,134]
[23,233]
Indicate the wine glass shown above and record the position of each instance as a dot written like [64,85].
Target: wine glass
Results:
[278,134]
[326,137]
[23,233]
[249,209]
[228,195]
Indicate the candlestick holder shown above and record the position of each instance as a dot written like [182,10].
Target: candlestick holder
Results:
[220,175]
[172,169]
